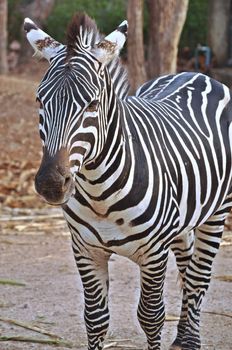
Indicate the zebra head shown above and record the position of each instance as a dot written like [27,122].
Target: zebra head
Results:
[74,99]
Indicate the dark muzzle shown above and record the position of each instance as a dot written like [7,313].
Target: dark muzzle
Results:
[54,181]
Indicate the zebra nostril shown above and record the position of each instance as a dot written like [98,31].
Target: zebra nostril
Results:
[61,170]
[65,177]
[67,182]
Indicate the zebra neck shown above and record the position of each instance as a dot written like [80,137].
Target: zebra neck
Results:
[113,163]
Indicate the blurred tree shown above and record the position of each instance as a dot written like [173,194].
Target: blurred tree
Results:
[218,29]
[107,14]
[38,11]
[3,37]
[195,27]
[166,20]
[136,64]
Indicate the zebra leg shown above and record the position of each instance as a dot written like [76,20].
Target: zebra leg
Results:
[151,307]
[183,249]
[198,274]
[94,276]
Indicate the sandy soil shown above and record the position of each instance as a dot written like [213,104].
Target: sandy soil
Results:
[35,250]
[52,297]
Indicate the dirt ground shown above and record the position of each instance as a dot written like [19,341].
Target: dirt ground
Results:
[35,251]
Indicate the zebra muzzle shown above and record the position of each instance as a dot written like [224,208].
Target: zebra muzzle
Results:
[53,182]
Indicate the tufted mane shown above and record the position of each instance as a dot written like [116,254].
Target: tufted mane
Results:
[81,31]
[82,34]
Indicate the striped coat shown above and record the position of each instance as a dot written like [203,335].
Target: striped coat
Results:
[135,175]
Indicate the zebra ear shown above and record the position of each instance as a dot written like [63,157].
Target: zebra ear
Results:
[111,45]
[42,43]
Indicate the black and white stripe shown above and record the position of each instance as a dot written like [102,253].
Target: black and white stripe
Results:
[151,171]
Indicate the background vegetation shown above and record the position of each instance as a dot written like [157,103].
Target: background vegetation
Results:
[108,13]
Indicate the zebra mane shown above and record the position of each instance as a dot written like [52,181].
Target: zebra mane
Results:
[83,34]
[119,76]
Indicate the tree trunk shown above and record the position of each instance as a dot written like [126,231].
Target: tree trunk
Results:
[136,65]
[218,29]
[3,37]
[166,20]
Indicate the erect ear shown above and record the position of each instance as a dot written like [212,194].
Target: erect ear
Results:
[111,45]
[41,42]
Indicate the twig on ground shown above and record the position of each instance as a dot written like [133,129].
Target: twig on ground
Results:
[218,313]
[12,283]
[225,243]
[57,342]
[109,345]
[30,327]
[224,278]
[170,318]
[5,305]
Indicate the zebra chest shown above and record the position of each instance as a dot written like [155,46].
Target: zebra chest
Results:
[99,208]
[95,231]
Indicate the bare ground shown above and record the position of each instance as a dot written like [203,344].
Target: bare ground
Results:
[35,250]
[41,258]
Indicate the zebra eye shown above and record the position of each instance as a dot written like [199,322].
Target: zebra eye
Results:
[93,106]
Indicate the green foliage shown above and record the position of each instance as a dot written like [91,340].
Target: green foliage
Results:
[107,14]
[195,28]
[15,20]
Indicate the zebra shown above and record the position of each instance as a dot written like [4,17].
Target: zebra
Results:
[135,175]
